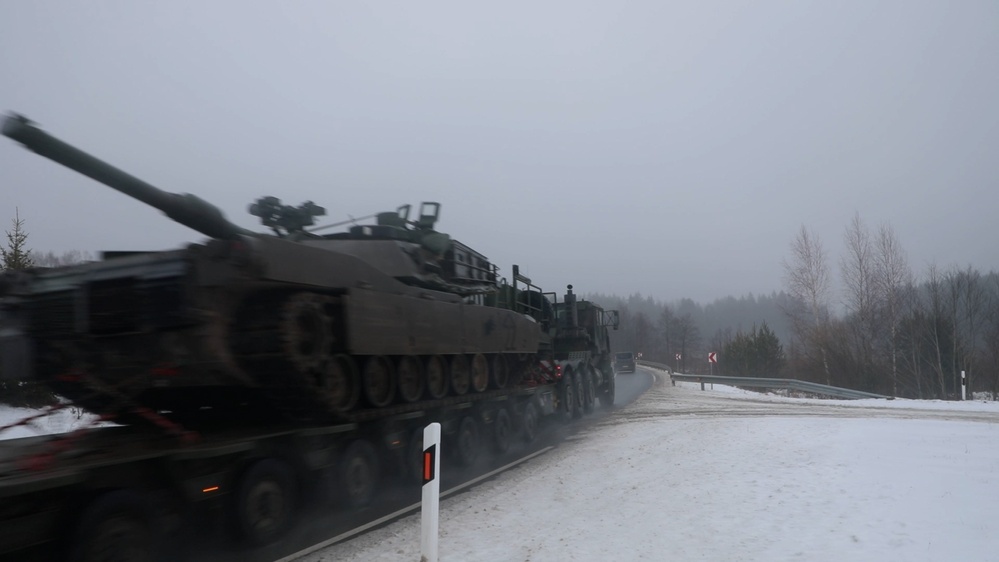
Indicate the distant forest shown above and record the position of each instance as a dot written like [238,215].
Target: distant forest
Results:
[885,332]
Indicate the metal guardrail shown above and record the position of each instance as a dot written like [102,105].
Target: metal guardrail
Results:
[761,382]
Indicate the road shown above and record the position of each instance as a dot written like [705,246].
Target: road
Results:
[329,526]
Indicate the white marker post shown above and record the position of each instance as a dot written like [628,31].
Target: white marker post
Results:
[430,510]
[963,387]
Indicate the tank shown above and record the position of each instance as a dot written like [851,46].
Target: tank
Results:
[390,316]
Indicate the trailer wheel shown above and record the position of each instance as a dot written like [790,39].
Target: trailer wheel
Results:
[436,377]
[264,504]
[502,431]
[466,442]
[529,422]
[480,373]
[378,381]
[410,374]
[115,526]
[359,473]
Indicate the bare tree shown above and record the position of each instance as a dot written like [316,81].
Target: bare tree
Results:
[893,278]
[858,269]
[806,278]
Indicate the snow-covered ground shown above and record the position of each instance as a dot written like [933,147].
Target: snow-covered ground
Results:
[729,475]
[723,474]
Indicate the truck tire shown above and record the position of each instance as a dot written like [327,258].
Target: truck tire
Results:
[466,441]
[529,422]
[502,431]
[607,393]
[264,504]
[359,473]
[567,397]
[589,391]
[114,526]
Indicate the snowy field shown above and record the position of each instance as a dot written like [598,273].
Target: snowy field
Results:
[731,475]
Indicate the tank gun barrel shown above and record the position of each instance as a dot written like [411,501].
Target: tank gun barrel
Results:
[186,209]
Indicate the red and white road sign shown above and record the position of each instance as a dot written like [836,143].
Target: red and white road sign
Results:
[712,357]
[679,356]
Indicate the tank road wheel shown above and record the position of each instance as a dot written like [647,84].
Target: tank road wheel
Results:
[436,372]
[307,331]
[114,526]
[500,371]
[460,380]
[589,391]
[378,381]
[410,375]
[339,384]
[480,373]
[359,473]
[502,431]
[466,442]
[264,504]
[529,422]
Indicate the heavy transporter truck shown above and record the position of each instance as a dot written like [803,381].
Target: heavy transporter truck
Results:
[253,371]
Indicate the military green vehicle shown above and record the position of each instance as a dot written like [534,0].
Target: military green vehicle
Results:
[389,315]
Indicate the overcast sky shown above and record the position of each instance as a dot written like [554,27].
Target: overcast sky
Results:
[671,149]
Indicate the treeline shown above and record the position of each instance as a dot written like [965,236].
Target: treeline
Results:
[898,335]
[887,332]
[682,333]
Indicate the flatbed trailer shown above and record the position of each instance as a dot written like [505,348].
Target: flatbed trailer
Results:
[135,491]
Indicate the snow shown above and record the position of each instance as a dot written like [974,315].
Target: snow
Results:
[58,421]
[720,475]
[726,474]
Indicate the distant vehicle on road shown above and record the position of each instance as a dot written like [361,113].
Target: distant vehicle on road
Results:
[624,362]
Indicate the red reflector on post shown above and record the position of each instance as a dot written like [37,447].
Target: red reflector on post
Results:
[428,463]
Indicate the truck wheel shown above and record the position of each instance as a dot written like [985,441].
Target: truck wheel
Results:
[502,431]
[567,395]
[359,473]
[466,442]
[115,526]
[436,377]
[378,381]
[589,391]
[265,501]
[410,375]
[607,396]
[480,373]
[577,405]
[530,422]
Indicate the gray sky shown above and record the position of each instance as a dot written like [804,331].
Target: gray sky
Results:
[666,148]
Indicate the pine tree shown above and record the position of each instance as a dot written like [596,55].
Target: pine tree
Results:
[16,254]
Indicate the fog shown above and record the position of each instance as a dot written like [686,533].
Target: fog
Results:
[663,148]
